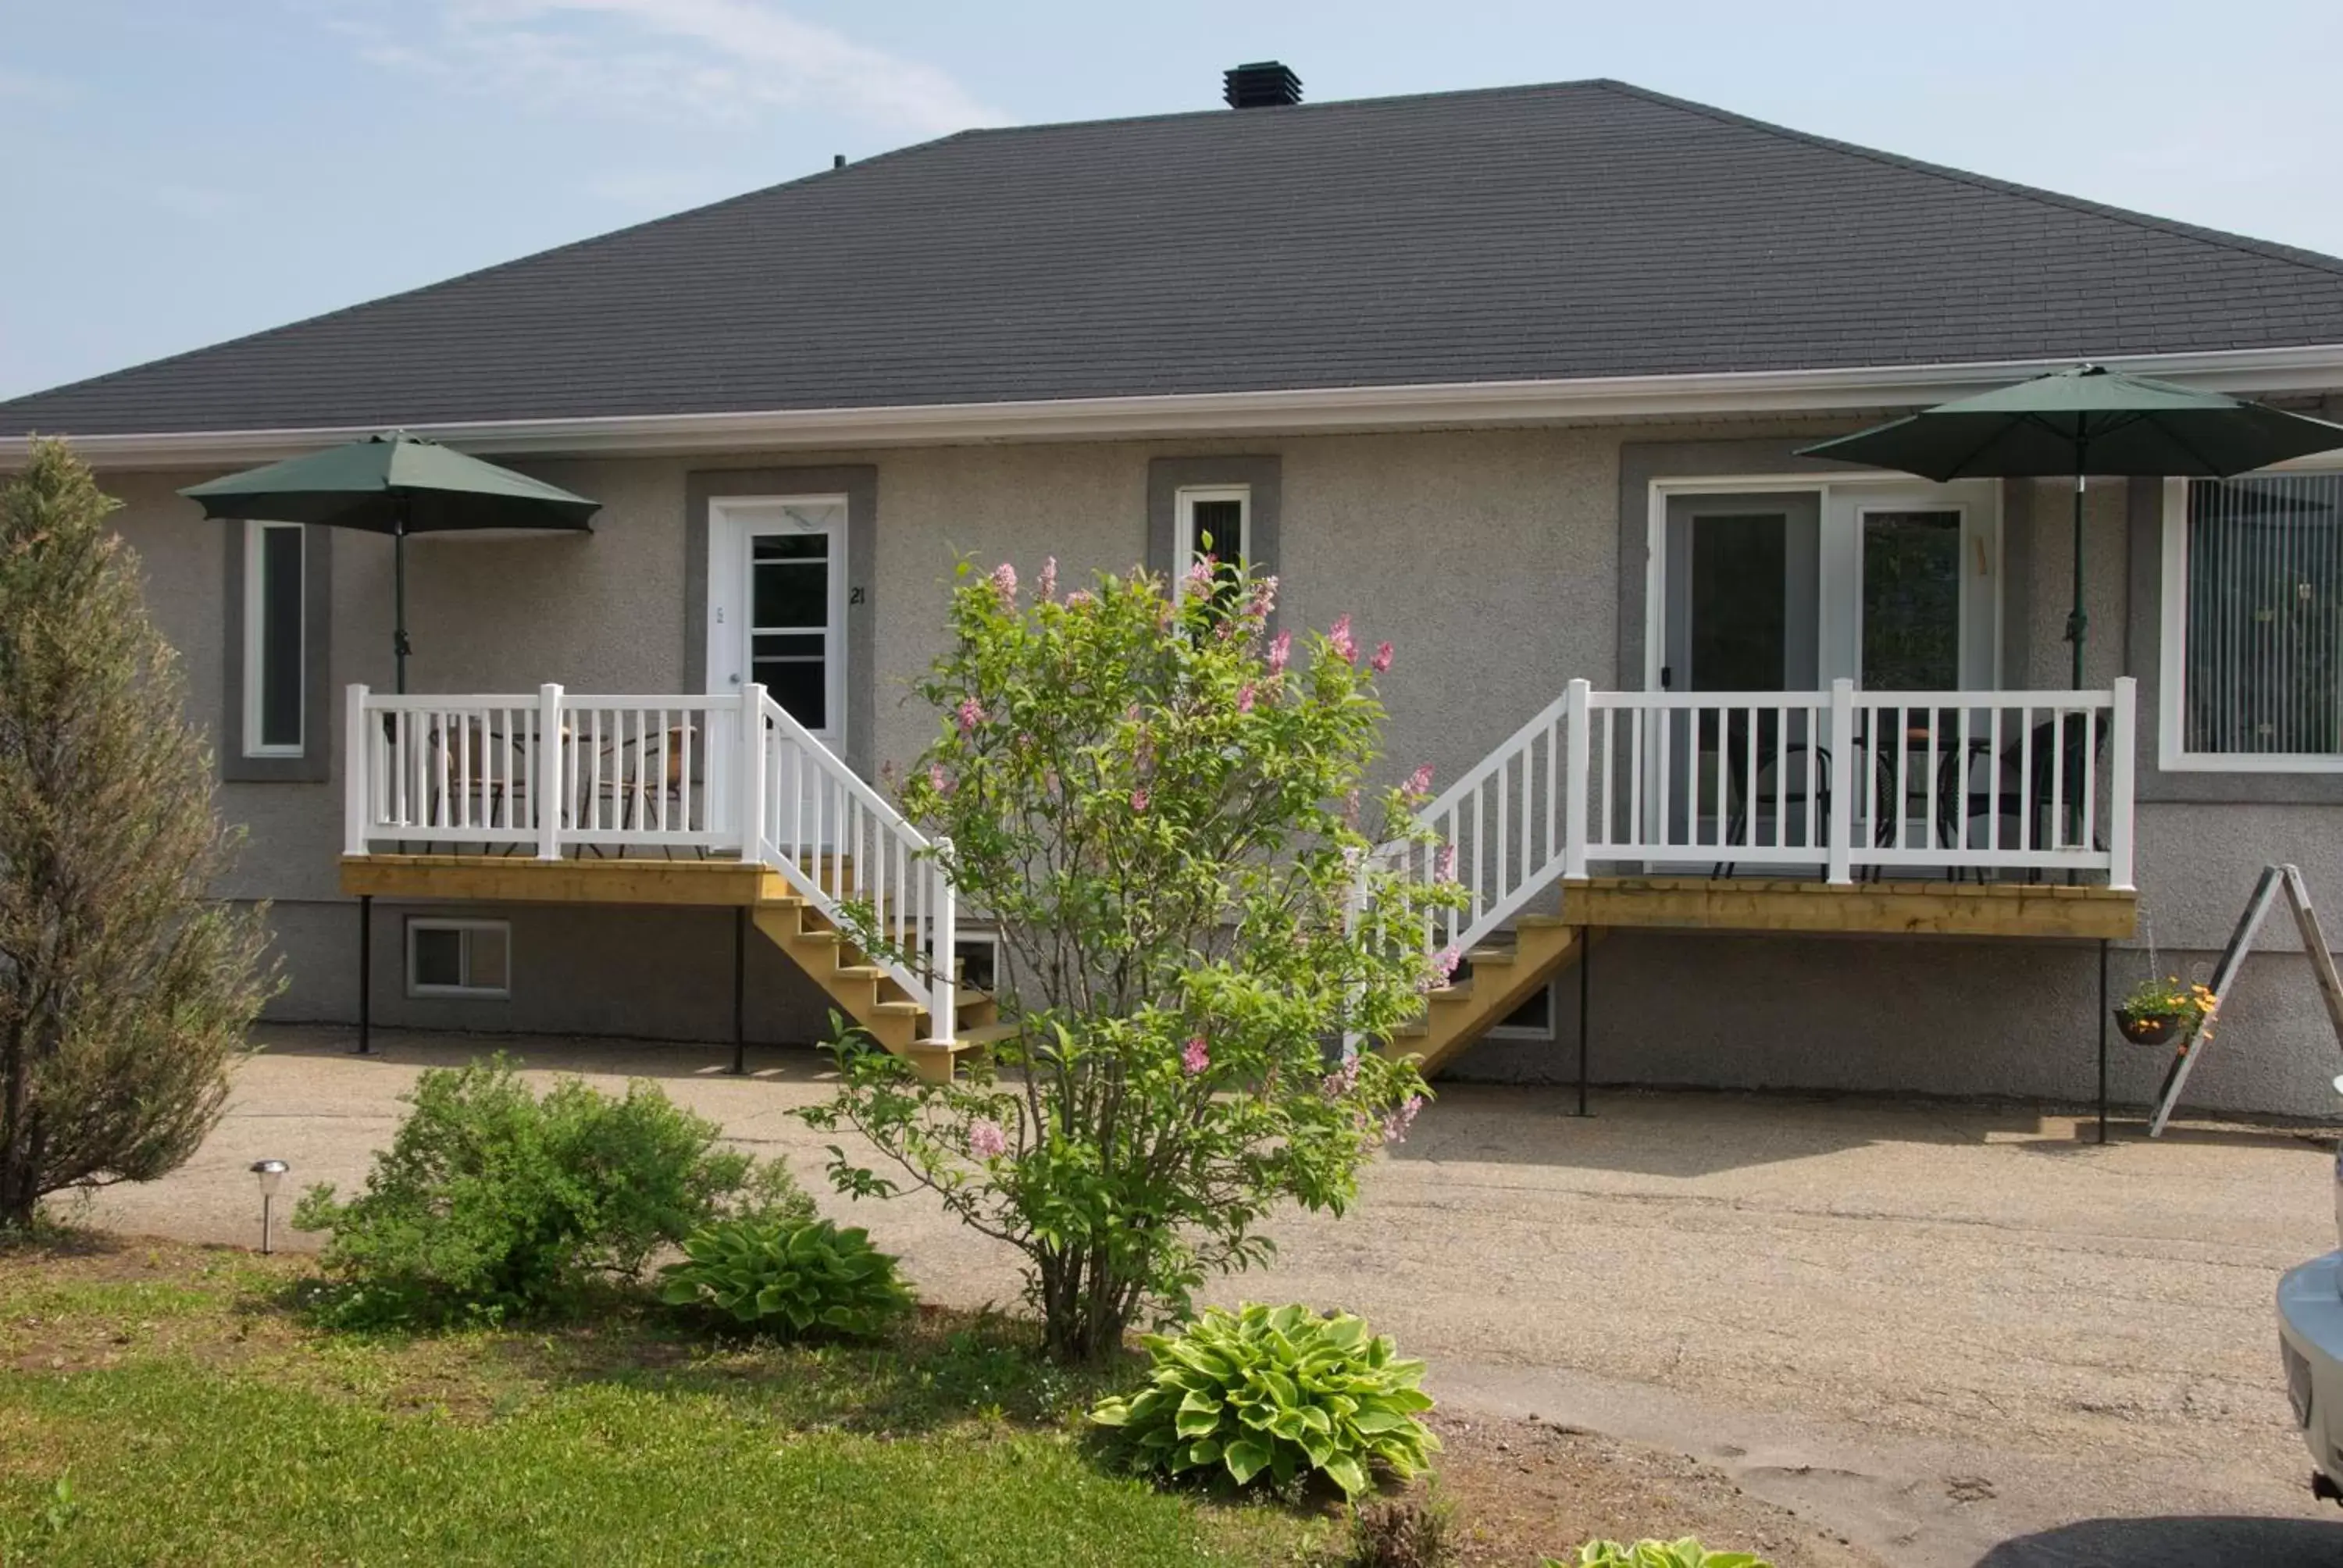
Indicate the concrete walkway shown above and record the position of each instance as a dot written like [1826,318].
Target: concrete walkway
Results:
[1956,1334]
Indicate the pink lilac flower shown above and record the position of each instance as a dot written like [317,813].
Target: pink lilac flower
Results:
[1199,574]
[1396,1125]
[1443,865]
[1382,661]
[1338,1084]
[985,1139]
[1345,645]
[1351,809]
[971,714]
[940,779]
[1139,799]
[1004,582]
[1077,599]
[1280,649]
[1196,1058]
[1420,781]
[1265,599]
[1049,584]
[1443,964]
[1244,698]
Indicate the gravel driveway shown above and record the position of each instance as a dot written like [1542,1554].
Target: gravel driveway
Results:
[1956,1334]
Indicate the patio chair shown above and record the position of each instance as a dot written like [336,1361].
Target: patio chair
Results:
[2016,785]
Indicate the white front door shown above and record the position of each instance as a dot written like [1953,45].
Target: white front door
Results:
[777,614]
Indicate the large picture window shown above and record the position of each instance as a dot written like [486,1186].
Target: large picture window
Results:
[275,639]
[2253,589]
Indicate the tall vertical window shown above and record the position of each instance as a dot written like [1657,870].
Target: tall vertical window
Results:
[274,639]
[1213,521]
[2254,581]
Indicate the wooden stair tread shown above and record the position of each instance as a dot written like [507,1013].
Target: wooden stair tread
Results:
[988,1034]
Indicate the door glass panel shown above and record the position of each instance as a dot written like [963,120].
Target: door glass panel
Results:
[1740,616]
[800,685]
[1912,600]
[788,641]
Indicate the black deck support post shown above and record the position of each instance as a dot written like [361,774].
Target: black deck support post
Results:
[740,989]
[2103,1039]
[1585,953]
[365,974]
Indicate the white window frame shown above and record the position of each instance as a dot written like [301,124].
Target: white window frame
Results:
[1502,1030]
[256,532]
[415,987]
[1183,527]
[2172,660]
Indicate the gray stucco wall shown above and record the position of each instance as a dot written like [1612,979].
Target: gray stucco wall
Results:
[1499,562]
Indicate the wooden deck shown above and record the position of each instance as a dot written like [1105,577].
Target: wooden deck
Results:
[2039,910]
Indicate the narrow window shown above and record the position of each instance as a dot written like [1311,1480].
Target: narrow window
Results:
[274,634]
[459,958]
[2261,622]
[1215,523]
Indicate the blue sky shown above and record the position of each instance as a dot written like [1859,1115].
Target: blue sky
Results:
[176,173]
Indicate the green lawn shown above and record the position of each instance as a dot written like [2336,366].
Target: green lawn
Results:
[163,1406]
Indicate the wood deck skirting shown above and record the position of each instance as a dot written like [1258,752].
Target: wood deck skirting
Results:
[2041,910]
[2044,910]
[519,880]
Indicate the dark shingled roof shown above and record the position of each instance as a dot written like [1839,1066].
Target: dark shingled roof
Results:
[1584,230]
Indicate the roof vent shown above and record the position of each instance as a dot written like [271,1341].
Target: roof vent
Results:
[1263,84]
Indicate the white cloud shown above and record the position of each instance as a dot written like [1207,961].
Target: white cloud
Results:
[717,59]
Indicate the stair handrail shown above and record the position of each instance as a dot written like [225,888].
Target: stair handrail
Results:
[1549,845]
[908,893]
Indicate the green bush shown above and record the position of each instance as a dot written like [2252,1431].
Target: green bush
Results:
[1275,1395]
[791,1277]
[491,1203]
[1687,1553]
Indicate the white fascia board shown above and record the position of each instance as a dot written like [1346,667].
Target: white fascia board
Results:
[1301,411]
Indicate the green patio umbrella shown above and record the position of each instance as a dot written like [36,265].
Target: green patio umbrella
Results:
[393,484]
[2084,421]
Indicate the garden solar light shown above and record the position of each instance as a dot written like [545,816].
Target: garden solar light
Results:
[272,1176]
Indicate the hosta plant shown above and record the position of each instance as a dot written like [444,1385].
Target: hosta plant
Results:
[793,1277]
[1271,1394]
[1688,1553]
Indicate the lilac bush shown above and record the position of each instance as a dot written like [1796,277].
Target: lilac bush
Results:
[1156,801]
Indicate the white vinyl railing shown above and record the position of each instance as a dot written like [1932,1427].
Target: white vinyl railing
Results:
[1843,782]
[556,772]
[839,843]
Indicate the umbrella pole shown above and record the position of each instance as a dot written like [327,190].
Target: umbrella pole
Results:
[2075,619]
[399,595]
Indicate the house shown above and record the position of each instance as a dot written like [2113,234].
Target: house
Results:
[1516,376]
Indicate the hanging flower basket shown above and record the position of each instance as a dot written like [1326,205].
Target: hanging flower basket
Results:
[2158,1009]
[2146,1028]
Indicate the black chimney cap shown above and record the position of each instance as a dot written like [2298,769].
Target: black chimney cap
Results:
[1263,84]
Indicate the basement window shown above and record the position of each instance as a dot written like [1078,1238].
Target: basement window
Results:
[980,960]
[1534,1019]
[459,958]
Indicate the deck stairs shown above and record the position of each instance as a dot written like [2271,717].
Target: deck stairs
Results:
[893,1016]
[1493,980]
